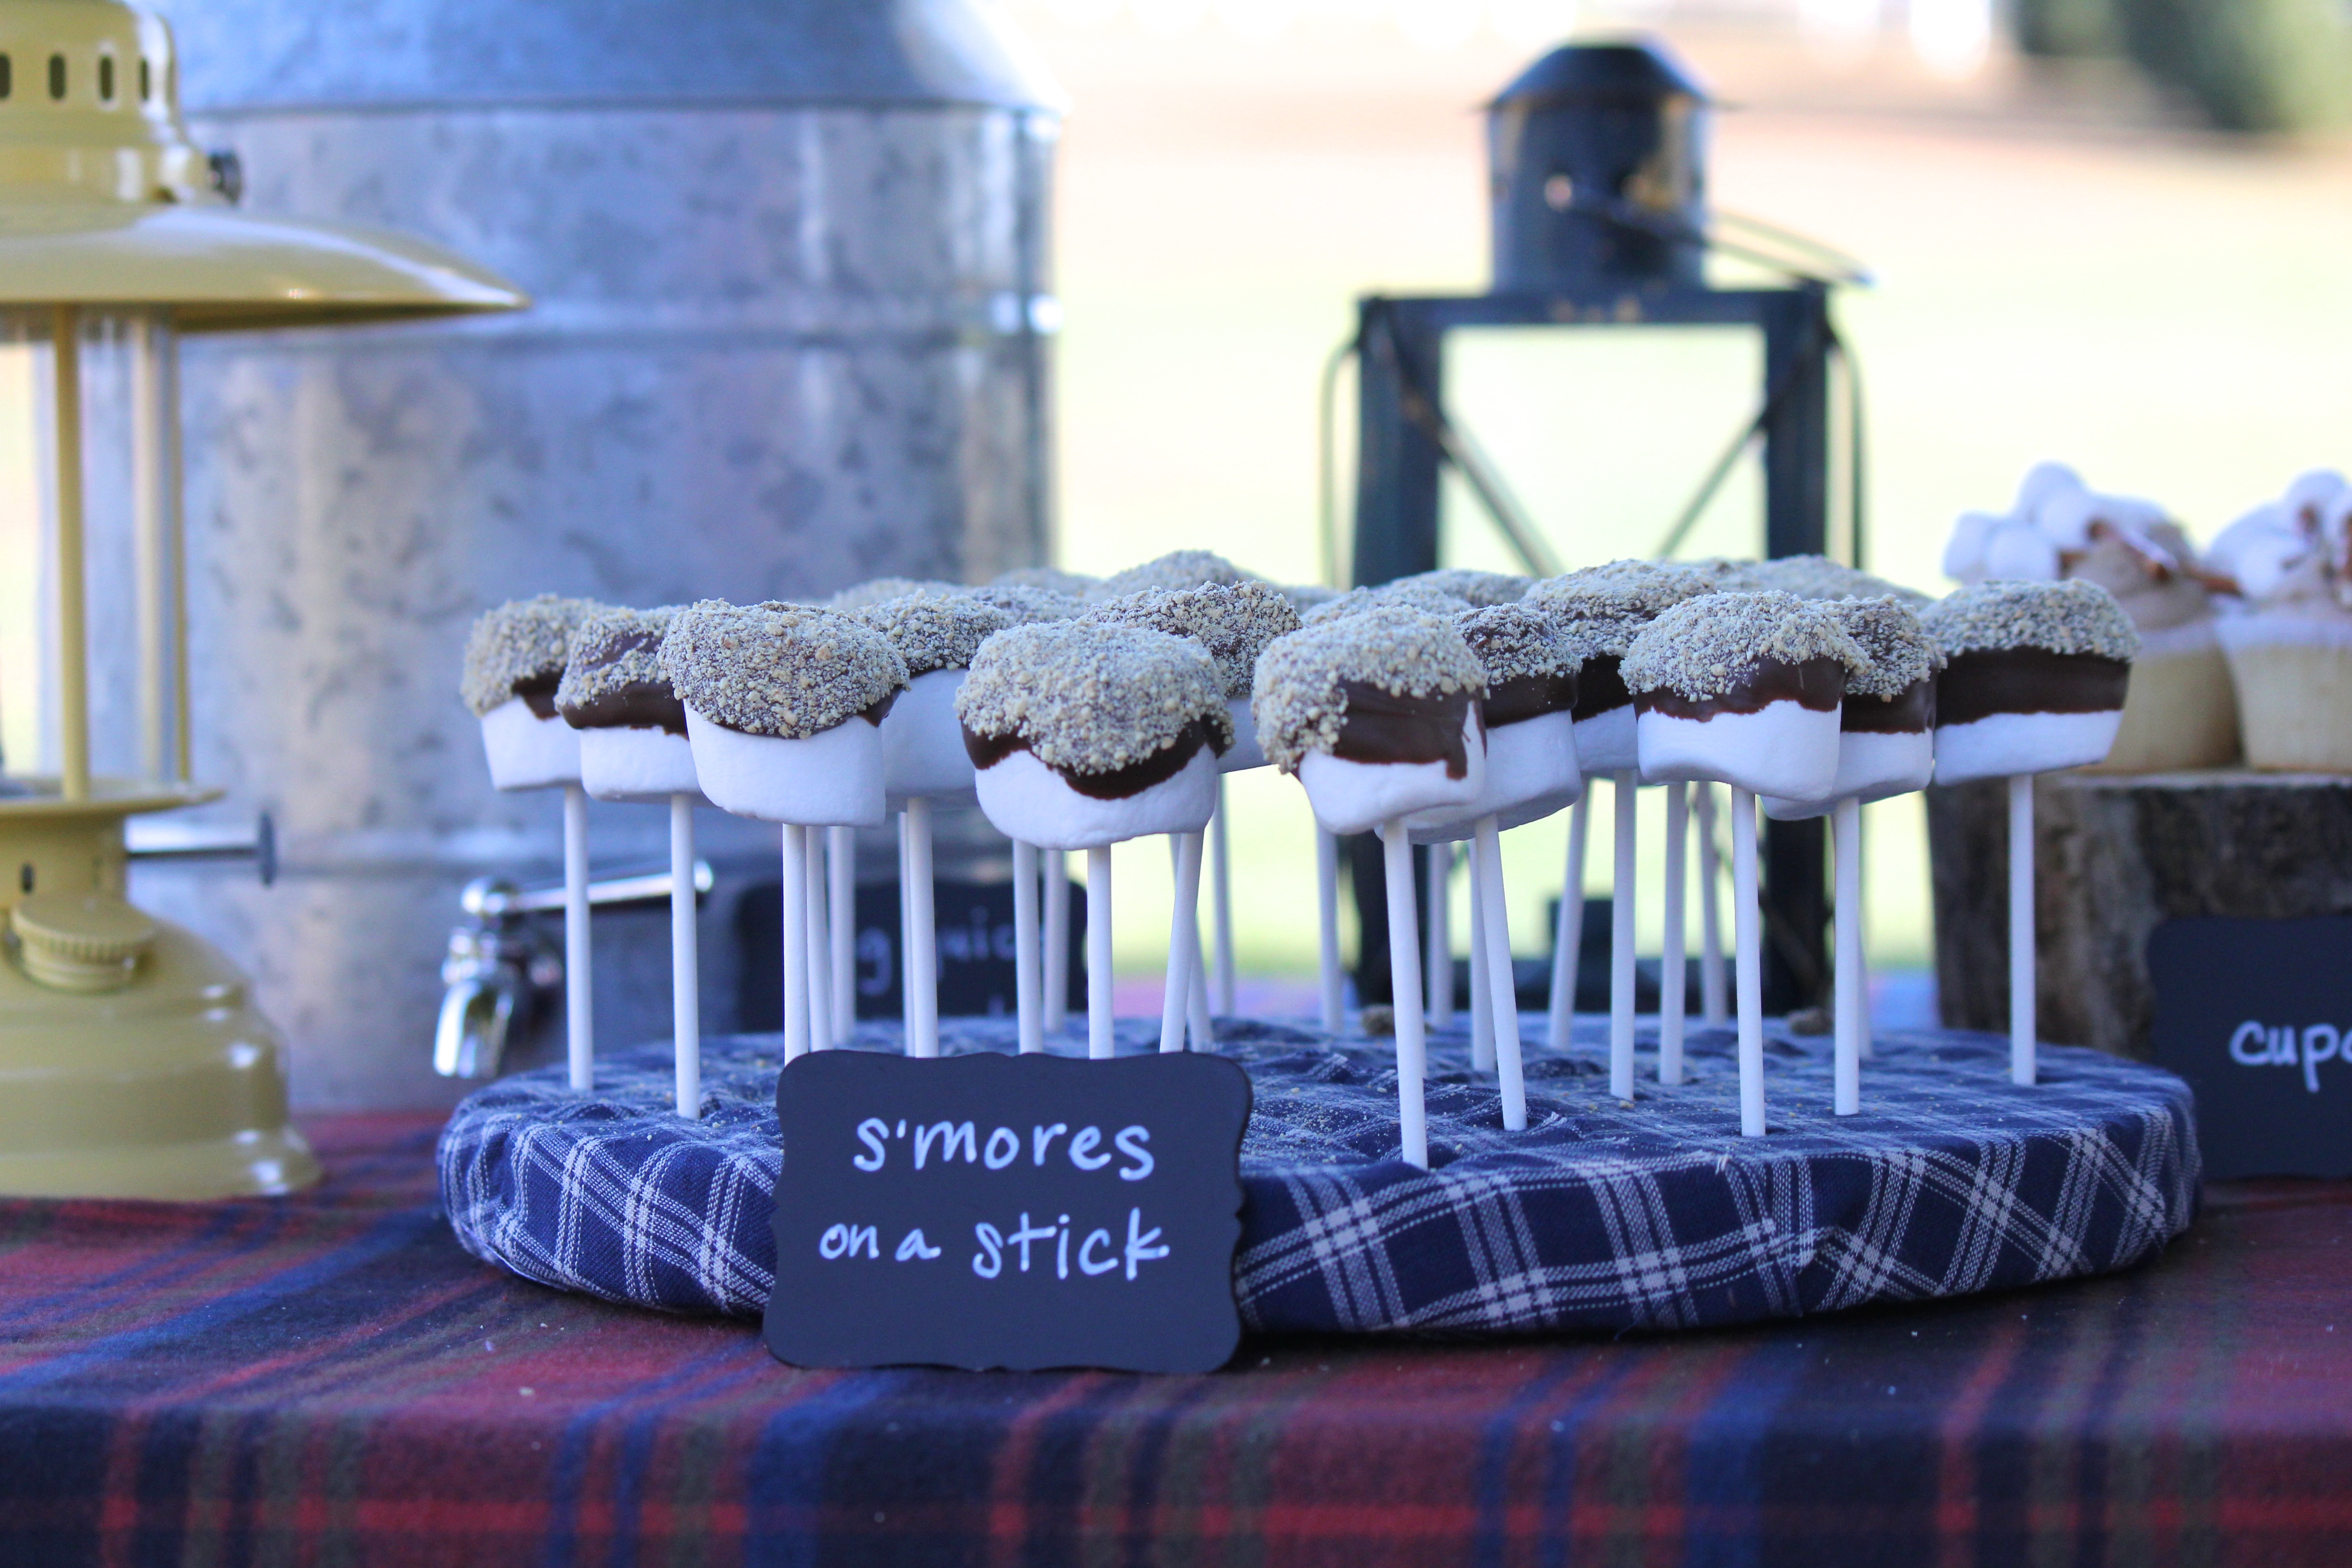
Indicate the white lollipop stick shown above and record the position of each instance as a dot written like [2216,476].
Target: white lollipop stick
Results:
[1055,1009]
[1404,976]
[685,968]
[579,992]
[1327,909]
[1861,934]
[1029,1005]
[796,944]
[1204,1033]
[922,930]
[1567,940]
[1673,980]
[1196,978]
[1845,826]
[1621,943]
[1746,922]
[1502,1000]
[1221,903]
[1183,944]
[905,943]
[1437,970]
[1100,1043]
[841,885]
[1482,1016]
[2021,930]
[820,943]
[1715,1006]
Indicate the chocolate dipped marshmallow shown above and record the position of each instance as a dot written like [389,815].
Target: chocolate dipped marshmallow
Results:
[1885,723]
[1086,734]
[1744,689]
[784,706]
[1531,667]
[514,661]
[1378,715]
[936,634]
[1233,623]
[615,692]
[1605,608]
[2035,678]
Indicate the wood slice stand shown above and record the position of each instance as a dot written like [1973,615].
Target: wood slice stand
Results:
[2116,855]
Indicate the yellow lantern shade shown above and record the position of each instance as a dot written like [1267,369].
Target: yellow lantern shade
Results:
[221,269]
[132,1062]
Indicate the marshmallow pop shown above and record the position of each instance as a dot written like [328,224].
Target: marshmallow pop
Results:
[1884,749]
[514,661]
[1744,688]
[923,762]
[2036,681]
[1424,593]
[1084,734]
[633,747]
[1040,964]
[1233,623]
[1378,715]
[1604,609]
[1531,771]
[784,705]
[1176,572]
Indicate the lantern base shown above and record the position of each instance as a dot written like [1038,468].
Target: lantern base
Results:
[172,1085]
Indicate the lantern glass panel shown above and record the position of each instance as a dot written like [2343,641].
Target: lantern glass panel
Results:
[127,427]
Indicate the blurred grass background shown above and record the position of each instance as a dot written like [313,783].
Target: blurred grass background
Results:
[2070,265]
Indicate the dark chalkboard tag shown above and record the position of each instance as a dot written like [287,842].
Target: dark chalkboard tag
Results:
[1002,1211]
[2257,1016]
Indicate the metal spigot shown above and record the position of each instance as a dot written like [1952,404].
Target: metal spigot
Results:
[502,966]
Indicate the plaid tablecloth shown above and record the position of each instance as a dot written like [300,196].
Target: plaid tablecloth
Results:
[1601,1216]
[329,1380]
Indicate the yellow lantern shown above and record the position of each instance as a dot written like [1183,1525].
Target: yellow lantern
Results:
[132,1062]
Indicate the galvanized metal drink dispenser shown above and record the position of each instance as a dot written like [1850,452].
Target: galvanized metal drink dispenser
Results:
[133,1060]
[1601,219]
[790,330]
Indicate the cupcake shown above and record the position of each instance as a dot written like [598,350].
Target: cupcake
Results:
[2290,649]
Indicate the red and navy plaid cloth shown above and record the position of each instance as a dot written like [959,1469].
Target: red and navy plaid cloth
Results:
[1597,1216]
[329,1380]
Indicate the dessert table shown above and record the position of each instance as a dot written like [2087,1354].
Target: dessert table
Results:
[328,1378]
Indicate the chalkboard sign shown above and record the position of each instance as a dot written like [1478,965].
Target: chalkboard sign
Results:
[999,1211]
[2257,1016]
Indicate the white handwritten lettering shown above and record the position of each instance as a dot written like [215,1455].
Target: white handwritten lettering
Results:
[1082,1147]
[947,1135]
[1130,1141]
[994,1160]
[870,1132]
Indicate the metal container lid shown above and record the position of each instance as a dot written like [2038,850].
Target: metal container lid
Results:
[1618,73]
[336,56]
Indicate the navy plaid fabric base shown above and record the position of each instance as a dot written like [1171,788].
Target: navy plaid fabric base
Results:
[1601,1216]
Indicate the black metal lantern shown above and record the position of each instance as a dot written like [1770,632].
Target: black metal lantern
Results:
[1601,220]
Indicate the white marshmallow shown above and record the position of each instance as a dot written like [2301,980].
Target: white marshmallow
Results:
[2259,549]
[2318,493]
[830,779]
[1355,797]
[1029,802]
[922,741]
[2018,550]
[1529,763]
[2043,483]
[1871,765]
[1246,752]
[526,751]
[1606,743]
[1783,749]
[2003,744]
[639,763]
[1964,553]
